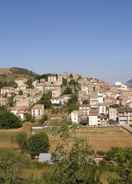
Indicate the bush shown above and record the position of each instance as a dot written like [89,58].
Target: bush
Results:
[38,143]
[9,120]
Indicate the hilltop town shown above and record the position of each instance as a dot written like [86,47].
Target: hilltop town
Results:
[49,99]
[63,124]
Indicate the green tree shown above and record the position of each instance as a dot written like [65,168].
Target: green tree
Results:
[46,100]
[38,143]
[72,103]
[11,164]
[75,167]
[119,161]
[9,120]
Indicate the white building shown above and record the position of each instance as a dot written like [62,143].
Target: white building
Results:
[93,118]
[100,98]
[93,101]
[52,78]
[37,111]
[45,158]
[75,117]
[102,109]
[113,113]
[7,91]
[56,101]
[84,110]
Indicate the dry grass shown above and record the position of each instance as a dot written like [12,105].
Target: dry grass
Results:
[99,138]
[8,136]
[106,138]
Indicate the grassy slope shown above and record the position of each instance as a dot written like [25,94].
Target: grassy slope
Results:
[16,73]
[8,136]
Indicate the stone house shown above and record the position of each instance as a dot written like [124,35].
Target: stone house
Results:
[22,101]
[93,117]
[113,113]
[37,111]
[94,101]
[7,91]
[125,115]
[103,109]
[84,110]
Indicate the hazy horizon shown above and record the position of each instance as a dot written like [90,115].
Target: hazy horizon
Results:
[90,37]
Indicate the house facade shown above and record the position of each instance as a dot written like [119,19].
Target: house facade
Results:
[37,111]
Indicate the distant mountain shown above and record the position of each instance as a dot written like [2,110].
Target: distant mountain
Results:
[129,83]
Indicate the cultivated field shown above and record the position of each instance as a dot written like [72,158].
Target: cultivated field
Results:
[8,137]
[100,138]
[106,138]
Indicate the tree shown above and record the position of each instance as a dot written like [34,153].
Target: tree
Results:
[38,143]
[9,120]
[46,100]
[74,167]
[72,103]
[20,93]
[119,161]
[11,163]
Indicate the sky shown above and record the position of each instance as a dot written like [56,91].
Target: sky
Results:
[92,37]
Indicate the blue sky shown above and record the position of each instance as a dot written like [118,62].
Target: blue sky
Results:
[92,37]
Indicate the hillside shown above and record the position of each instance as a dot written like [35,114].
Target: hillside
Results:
[8,75]
[129,83]
[16,72]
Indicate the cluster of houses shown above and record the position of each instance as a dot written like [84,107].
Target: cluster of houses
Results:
[103,107]
[25,100]
[99,102]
